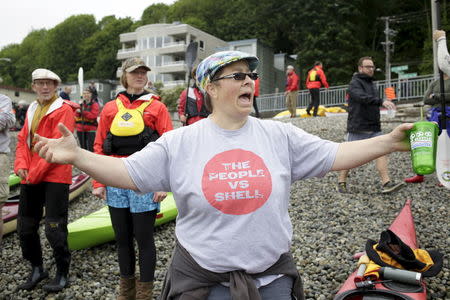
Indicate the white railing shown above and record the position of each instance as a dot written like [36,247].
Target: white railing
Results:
[126,50]
[172,63]
[171,44]
[173,83]
[405,89]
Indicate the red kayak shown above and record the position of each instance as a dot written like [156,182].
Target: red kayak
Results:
[9,212]
[403,227]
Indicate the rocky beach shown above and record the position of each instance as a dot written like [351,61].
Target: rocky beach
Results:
[329,228]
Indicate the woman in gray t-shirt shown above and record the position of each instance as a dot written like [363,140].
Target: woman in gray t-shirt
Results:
[230,175]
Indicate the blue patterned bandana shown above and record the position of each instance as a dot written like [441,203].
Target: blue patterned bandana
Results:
[213,63]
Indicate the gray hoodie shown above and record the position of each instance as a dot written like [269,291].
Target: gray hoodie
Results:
[7,120]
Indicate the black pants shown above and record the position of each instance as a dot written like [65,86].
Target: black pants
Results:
[55,198]
[86,139]
[255,106]
[315,101]
[140,225]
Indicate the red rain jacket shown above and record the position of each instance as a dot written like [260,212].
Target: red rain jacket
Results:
[38,169]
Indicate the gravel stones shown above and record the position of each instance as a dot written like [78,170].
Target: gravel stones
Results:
[328,229]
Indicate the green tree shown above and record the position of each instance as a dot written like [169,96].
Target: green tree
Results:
[155,13]
[98,51]
[62,50]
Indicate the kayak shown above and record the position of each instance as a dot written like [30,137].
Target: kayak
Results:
[13,180]
[96,228]
[322,111]
[403,226]
[80,183]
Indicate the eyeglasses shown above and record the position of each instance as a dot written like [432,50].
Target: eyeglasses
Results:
[239,76]
[42,83]
[369,67]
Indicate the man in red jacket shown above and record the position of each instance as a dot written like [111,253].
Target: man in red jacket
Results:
[314,81]
[291,91]
[43,184]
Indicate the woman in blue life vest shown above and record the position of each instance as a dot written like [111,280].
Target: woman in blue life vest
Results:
[127,124]
[233,231]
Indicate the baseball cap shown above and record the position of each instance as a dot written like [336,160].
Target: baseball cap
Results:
[213,63]
[290,67]
[133,63]
[44,74]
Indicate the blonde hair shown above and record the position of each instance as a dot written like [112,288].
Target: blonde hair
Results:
[123,80]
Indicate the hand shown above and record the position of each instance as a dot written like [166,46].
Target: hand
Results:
[183,119]
[159,196]
[22,173]
[399,137]
[388,104]
[100,192]
[438,34]
[61,151]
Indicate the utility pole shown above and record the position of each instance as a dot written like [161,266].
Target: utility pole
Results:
[387,48]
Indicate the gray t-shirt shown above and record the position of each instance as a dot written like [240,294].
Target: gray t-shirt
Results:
[7,120]
[232,187]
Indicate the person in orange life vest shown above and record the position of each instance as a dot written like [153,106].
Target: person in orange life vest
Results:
[132,214]
[86,120]
[255,96]
[43,184]
[195,108]
[291,91]
[314,81]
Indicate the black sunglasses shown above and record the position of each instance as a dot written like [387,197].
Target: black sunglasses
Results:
[239,76]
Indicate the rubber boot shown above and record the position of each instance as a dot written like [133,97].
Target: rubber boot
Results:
[57,284]
[127,289]
[144,290]
[415,179]
[37,274]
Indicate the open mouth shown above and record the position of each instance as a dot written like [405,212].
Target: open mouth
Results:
[245,97]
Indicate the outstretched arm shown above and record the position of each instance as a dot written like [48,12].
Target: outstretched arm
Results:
[442,51]
[357,153]
[108,170]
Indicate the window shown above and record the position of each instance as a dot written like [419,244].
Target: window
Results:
[151,42]
[201,45]
[158,59]
[244,48]
[158,42]
[99,86]
[168,40]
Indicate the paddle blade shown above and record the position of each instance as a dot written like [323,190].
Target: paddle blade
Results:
[443,159]
[80,81]
[191,54]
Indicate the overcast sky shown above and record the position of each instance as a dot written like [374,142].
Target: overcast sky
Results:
[19,17]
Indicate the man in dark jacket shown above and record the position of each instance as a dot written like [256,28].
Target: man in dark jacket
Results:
[364,120]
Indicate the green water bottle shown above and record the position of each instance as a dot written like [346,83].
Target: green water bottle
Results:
[423,140]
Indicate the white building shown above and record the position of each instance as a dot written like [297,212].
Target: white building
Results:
[163,48]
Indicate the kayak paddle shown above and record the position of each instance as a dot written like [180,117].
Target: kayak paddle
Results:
[443,144]
[191,56]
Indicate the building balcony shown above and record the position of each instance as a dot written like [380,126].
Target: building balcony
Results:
[172,67]
[128,37]
[172,48]
[126,53]
[172,84]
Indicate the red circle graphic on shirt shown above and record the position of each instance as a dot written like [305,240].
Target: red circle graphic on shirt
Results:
[236,182]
